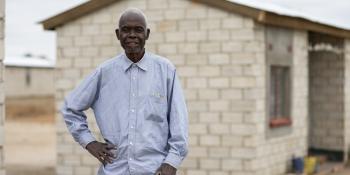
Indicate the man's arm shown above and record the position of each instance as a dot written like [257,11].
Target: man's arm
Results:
[79,100]
[178,125]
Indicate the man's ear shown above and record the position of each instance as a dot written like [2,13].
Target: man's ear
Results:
[117,33]
[147,33]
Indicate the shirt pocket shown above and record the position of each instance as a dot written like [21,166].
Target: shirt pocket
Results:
[157,106]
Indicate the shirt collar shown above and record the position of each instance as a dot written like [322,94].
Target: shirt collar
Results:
[143,63]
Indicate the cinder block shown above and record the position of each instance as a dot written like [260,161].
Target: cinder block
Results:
[196,13]
[156,4]
[219,152]
[83,170]
[190,163]
[232,140]
[174,14]
[228,94]
[209,71]
[219,35]
[197,83]
[210,24]
[198,152]
[175,36]
[188,25]
[167,49]
[219,105]
[232,164]
[219,59]
[208,94]
[82,41]
[243,82]
[219,82]
[188,48]
[219,129]
[209,117]
[232,22]
[209,47]
[198,129]
[90,29]
[230,47]
[193,36]
[209,164]
[209,140]
[232,117]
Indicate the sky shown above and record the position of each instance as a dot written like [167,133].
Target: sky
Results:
[24,35]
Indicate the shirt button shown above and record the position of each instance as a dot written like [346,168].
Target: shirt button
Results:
[130,143]
[130,158]
[133,94]
[132,110]
[134,78]
[132,127]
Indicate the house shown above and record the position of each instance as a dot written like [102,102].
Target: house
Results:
[29,86]
[262,83]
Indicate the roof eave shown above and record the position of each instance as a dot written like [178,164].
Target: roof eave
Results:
[266,17]
[261,16]
[74,13]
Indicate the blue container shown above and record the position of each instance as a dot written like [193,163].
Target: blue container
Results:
[298,165]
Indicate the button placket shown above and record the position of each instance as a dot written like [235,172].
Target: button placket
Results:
[133,110]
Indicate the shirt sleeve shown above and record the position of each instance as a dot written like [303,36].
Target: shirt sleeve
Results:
[79,100]
[178,125]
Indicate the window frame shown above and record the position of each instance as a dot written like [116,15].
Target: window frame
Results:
[278,127]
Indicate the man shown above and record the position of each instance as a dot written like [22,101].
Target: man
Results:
[138,105]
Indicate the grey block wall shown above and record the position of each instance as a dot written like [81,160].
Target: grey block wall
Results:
[2,89]
[327,100]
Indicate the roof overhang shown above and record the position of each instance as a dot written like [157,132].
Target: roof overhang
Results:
[261,16]
[266,17]
[53,22]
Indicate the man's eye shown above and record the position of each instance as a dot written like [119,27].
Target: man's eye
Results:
[125,30]
[139,30]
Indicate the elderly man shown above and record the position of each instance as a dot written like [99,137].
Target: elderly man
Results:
[138,105]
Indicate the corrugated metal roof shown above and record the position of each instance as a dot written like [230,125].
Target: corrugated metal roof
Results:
[282,10]
[29,62]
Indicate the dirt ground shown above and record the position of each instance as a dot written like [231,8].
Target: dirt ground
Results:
[30,145]
[30,139]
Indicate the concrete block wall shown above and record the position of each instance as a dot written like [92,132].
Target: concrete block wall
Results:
[274,153]
[221,61]
[347,98]
[29,82]
[327,101]
[2,89]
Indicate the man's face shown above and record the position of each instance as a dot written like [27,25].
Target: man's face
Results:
[132,33]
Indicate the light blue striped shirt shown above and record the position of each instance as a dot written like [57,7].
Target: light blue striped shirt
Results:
[139,107]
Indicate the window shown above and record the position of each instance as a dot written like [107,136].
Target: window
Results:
[279,55]
[279,108]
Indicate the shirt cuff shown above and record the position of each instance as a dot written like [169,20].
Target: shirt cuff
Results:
[85,139]
[173,160]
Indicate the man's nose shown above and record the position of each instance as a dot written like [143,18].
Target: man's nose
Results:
[132,33]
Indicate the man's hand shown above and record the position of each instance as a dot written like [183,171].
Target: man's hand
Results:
[166,169]
[102,151]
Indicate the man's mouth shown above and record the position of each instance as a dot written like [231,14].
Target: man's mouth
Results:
[132,43]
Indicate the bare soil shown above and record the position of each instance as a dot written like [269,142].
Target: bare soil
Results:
[30,139]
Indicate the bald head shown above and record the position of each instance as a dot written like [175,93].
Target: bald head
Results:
[133,33]
[133,14]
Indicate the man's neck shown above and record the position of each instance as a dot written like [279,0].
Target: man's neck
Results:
[135,57]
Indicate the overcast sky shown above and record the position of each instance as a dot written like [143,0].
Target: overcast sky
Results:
[24,35]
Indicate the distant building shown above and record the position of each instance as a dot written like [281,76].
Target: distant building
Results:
[262,83]
[29,86]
